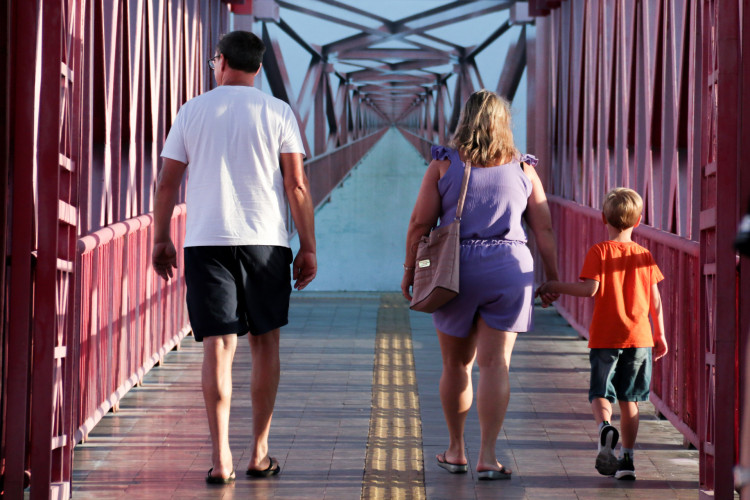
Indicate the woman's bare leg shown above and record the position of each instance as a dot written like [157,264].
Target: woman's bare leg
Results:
[494,348]
[456,391]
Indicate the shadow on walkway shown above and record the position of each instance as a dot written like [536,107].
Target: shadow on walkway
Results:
[157,445]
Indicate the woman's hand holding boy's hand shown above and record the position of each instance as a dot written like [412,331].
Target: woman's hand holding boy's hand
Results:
[546,295]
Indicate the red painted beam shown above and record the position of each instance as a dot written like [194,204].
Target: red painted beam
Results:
[45,289]
[23,16]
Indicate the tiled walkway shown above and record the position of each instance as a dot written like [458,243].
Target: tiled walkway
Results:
[157,446]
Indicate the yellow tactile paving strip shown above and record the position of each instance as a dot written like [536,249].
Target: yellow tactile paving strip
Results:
[394,464]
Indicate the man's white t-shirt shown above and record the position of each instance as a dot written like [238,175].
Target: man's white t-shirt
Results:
[231,139]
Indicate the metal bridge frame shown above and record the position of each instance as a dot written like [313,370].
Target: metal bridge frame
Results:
[90,89]
[648,94]
[642,93]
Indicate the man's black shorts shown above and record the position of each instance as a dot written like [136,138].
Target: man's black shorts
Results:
[237,289]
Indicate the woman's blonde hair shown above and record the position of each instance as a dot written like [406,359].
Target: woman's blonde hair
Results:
[484,134]
[622,207]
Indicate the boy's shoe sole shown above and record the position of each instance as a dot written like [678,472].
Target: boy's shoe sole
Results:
[606,461]
[625,475]
[626,470]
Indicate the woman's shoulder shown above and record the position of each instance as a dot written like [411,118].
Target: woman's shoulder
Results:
[442,152]
[529,159]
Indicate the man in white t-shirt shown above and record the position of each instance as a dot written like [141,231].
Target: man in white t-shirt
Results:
[243,153]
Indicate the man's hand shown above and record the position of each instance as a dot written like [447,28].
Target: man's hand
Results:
[304,268]
[164,259]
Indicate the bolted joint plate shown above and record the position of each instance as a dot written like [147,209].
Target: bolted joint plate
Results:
[519,14]
[266,10]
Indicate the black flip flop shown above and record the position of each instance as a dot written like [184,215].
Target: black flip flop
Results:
[452,468]
[219,480]
[490,475]
[272,469]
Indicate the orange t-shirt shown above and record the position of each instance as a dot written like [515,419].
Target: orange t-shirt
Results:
[625,272]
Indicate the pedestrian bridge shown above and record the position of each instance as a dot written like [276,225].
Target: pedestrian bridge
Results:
[99,393]
[358,415]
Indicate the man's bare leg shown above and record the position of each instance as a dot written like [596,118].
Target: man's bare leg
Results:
[264,382]
[216,378]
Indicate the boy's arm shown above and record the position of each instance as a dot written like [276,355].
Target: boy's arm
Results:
[585,288]
[657,318]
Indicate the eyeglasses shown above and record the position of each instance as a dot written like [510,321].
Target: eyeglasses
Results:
[211,63]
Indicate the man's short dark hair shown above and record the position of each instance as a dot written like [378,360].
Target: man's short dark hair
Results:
[242,50]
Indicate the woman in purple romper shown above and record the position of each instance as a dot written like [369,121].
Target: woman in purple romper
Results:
[496,280]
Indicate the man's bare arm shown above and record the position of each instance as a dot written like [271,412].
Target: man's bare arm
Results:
[164,254]
[297,188]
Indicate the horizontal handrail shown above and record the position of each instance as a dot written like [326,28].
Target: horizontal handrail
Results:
[129,318]
[328,170]
[424,146]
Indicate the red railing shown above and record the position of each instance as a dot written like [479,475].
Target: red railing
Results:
[675,376]
[326,171]
[420,143]
[129,318]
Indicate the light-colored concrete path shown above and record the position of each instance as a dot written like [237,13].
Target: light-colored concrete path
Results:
[334,349]
[361,232]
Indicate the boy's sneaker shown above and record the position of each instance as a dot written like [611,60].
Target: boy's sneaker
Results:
[626,469]
[606,461]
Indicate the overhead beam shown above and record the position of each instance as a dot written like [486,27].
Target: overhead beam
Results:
[398,77]
[326,17]
[355,10]
[398,67]
[412,54]
[494,36]
[419,23]
[515,64]
[451,13]
[313,50]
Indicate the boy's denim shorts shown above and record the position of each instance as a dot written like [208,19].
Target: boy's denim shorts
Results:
[620,374]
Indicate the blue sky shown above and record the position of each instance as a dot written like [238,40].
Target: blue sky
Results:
[466,33]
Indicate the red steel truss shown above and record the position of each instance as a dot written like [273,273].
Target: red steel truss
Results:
[643,93]
[646,94]
[83,316]
[91,88]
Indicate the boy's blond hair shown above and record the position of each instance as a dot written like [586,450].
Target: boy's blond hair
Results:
[622,207]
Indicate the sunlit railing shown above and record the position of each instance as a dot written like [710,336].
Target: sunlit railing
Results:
[328,170]
[420,143]
[129,318]
[675,376]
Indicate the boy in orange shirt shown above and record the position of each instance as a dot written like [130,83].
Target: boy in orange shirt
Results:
[623,277]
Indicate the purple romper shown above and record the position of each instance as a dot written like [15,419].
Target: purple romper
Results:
[497,270]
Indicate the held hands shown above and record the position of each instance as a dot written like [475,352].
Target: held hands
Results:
[164,259]
[545,294]
[304,268]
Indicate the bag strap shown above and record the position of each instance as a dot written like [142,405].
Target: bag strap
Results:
[464,188]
